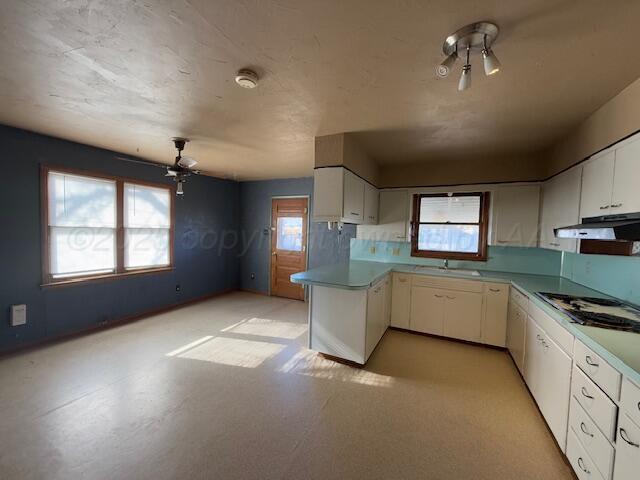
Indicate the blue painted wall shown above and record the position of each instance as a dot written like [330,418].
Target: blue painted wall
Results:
[206,247]
[325,246]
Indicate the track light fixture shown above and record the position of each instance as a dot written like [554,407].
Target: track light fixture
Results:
[474,38]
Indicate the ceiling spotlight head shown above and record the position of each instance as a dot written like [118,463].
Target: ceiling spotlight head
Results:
[247,78]
[491,63]
[465,78]
[444,68]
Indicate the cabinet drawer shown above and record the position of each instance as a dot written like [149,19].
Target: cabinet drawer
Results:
[580,461]
[556,331]
[447,283]
[594,401]
[592,439]
[630,400]
[519,298]
[627,450]
[603,374]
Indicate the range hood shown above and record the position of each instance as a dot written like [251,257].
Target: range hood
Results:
[610,227]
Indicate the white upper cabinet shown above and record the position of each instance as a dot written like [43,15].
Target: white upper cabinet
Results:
[625,197]
[515,216]
[339,195]
[370,204]
[609,182]
[597,185]
[560,208]
[353,207]
[392,220]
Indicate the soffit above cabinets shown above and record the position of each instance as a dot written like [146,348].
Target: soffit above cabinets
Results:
[128,77]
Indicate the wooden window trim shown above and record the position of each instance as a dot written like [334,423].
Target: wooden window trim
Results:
[121,271]
[481,256]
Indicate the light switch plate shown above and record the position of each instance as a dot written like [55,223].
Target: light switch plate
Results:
[18,315]
[372,250]
[396,251]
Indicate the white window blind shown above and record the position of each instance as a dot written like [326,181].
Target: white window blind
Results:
[82,225]
[147,224]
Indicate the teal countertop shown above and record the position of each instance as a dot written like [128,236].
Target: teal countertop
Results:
[620,349]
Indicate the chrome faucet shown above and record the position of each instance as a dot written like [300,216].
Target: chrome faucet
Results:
[446,264]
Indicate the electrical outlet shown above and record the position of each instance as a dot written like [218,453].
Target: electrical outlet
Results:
[372,250]
[396,251]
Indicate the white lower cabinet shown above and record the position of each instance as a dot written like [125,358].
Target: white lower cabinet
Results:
[592,439]
[377,310]
[548,375]
[427,310]
[580,461]
[516,326]
[400,300]
[462,315]
[494,318]
[627,464]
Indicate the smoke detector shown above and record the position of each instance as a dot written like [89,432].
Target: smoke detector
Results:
[247,78]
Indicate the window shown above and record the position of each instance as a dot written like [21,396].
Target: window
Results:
[452,225]
[97,226]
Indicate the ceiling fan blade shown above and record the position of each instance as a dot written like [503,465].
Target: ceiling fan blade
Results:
[187,162]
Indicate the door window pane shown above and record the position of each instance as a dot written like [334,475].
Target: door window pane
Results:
[449,238]
[444,209]
[289,234]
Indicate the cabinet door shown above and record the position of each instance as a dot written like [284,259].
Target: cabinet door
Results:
[353,207]
[560,207]
[516,325]
[375,315]
[427,310]
[533,369]
[515,216]
[625,197]
[494,318]
[370,204]
[401,300]
[597,185]
[463,315]
[327,194]
[387,302]
[392,219]
[627,462]
[554,389]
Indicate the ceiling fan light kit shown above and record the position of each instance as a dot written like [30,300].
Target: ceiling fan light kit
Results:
[475,38]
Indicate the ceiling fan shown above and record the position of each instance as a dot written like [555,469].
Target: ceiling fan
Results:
[183,166]
[179,171]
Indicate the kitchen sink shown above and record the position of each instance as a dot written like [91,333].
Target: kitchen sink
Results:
[450,271]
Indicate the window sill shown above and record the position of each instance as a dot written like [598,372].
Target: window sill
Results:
[473,257]
[105,277]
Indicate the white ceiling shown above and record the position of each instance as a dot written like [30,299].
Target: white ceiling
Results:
[128,75]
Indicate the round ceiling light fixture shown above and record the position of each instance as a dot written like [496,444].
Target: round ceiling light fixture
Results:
[247,78]
[475,38]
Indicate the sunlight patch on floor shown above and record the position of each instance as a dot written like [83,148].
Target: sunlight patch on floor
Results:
[265,327]
[189,346]
[309,363]
[233,352]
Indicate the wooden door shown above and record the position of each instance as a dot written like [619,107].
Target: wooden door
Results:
[288,245]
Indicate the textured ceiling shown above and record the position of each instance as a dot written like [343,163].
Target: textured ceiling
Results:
[128,75]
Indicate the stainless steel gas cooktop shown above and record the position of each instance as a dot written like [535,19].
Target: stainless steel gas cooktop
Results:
[596,312]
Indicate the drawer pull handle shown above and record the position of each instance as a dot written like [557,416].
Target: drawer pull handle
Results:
[583,427]
[590,361]
[616,205]
[439,296]
[494,289]
[581,465]
[585,393]
[625,437]
[451,298]
[402,280]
